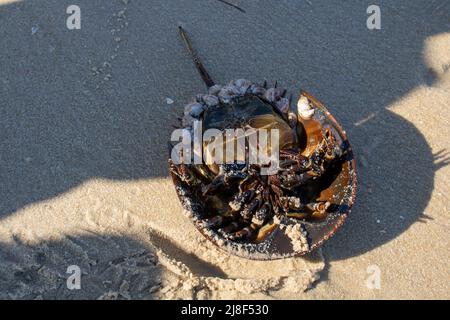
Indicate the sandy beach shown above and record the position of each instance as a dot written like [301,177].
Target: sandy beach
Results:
[85,116]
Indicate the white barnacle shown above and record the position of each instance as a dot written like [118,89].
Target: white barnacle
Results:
[242,85]
[215,89]
[304,109]
[227,93]
[240,82]
[194,110]
[257,90]
[210,100]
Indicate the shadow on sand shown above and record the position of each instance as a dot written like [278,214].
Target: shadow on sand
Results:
[82,104]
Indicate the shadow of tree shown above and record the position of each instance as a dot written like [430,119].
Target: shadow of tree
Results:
[91,103]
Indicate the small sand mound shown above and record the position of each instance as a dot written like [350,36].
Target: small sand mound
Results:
[220,276]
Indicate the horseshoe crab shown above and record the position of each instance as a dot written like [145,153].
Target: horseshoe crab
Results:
[249,213]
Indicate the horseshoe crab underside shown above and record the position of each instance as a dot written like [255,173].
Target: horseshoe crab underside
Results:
[240,207]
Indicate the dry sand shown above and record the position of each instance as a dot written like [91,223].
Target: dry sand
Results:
[85,119]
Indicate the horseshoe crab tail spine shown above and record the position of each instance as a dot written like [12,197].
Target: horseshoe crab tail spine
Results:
[198,64]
